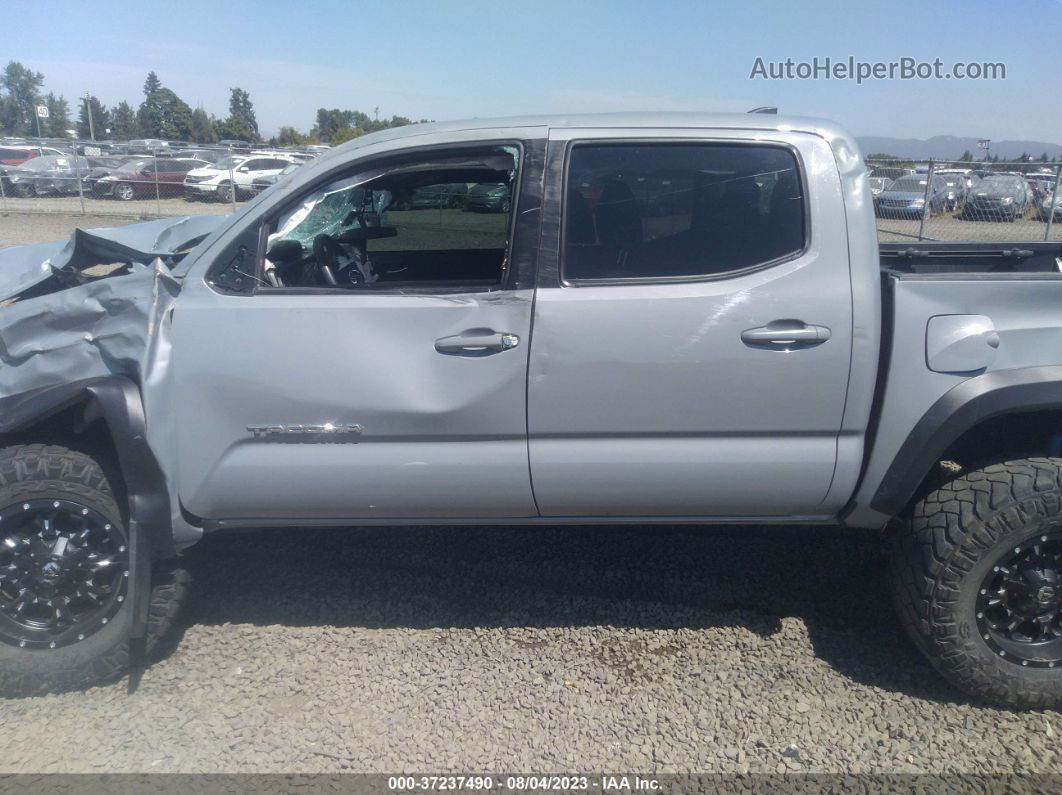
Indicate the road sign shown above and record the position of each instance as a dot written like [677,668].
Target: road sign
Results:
[983,143]
[42,111]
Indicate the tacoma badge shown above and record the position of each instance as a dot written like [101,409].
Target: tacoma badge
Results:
[327,431]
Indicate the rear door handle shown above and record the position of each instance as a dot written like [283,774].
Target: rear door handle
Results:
[477,342]
[785,334]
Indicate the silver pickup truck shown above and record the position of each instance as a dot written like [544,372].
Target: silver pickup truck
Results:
[603,319]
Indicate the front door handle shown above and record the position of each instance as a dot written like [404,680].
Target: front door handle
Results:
[477,342]
[785,335]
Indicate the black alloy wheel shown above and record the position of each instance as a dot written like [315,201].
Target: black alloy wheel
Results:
[64,572]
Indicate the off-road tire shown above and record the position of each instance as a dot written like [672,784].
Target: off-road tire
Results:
[35,471]
[957,533]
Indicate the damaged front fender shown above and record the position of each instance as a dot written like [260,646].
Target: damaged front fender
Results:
[94,310]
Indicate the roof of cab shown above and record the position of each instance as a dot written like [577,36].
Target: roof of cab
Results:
[733,121]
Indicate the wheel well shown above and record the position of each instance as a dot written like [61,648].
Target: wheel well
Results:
[79,428]
[1003,438]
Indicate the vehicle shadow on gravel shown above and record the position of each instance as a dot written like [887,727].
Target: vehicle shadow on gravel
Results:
[645,577]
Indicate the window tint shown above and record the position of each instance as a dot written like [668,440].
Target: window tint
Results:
[655,211]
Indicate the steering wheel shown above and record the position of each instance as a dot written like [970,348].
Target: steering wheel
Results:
[326,252]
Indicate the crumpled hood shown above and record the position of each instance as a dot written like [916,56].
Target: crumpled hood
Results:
[24,267]
[60,321]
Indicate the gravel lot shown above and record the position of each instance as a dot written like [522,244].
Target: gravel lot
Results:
[535,650]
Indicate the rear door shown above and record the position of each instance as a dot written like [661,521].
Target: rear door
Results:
[692,339]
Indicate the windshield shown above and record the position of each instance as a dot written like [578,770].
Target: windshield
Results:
[226,163]
[49,163]
[37,164]
[909,184]
[998,184]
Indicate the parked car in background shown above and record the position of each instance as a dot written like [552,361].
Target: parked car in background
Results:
[890,172]
[146,146]
[1042,185]
[138,178]
[1051,205]
[102,166]
[236,172]
[200,153]
[18,154]
[1003,197]
[957,188]
[48,175]
[259,184]
[908,196]
[439,196]
[491,197]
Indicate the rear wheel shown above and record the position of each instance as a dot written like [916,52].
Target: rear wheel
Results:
[64,574]
[977,580]
[225,193]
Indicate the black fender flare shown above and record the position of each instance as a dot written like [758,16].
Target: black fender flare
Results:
[965,405]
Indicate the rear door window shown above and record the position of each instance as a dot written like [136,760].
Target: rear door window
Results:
[661,211]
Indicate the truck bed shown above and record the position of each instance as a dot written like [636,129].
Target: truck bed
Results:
[945,258]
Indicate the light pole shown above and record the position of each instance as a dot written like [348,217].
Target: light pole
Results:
[88,108]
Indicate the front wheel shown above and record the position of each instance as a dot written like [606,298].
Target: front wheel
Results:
[65,600]
[124,191]
[977,581]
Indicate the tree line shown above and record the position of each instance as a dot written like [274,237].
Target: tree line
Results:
[967,157]
[162,114]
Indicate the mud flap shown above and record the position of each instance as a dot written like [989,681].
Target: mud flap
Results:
[140,590]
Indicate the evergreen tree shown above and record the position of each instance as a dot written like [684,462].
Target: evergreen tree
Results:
[123,122]
[21,95]
[162,114]
[289,136]
[241,123]
[202,128]
[58,121]
[101,118]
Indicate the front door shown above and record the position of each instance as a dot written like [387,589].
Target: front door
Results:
[691,346]
[401,395]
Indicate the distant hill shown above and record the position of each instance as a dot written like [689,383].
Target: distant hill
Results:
[951,147]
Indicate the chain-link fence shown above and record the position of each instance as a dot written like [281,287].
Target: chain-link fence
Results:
[138,182]
[913,200]
[962,200]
